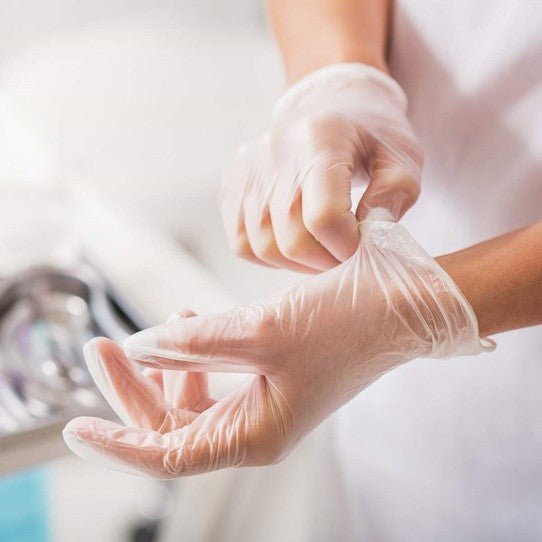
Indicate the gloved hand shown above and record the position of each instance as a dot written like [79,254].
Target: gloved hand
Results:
[313,349]
[286,198]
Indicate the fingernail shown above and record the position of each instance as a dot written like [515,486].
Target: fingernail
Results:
[92,360]
[174,317]
[73,442]
[72,433]
[79,439]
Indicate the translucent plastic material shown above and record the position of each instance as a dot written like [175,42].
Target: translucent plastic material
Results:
[313,349]
[286,197]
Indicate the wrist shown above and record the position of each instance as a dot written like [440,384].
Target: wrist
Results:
[298,68]
[423,294]
[457,268]
[502,279]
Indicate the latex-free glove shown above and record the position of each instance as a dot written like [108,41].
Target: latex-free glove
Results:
[314,348]
[286,198]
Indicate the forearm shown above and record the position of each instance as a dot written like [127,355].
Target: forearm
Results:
[502,279]
[316,33]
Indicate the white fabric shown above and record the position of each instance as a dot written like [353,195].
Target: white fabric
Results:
[451,451]
[435,450]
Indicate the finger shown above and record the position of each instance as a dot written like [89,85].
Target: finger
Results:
[237,176]
[236,431]
[395,180]
[259,228]
[295,242]
[131,450]
[194,449]
[195,393]
[326,204]
[136,400]
[234,341]
[187,391]
[170,382]
[240,243]
[156,376]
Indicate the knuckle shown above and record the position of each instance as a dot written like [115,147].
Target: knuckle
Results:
[265,326]
[266,250]
[241,246]
[399,179]
[192,344]
[321,217]
[294,244]
[324,122]
[323,128]
[399,146]
[261,329]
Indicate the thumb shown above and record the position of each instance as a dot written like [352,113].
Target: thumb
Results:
[226,342]
[395,182]
[393,190]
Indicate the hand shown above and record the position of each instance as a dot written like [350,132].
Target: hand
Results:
[313,349]
[286,198]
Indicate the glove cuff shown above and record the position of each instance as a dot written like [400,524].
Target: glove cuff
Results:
[439,311]
[339,77]
[464,335]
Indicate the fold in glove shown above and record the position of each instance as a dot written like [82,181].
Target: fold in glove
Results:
[311,350]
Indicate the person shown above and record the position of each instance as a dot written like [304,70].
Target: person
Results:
[457,460]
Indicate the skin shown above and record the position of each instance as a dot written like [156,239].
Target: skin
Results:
[337,30]
[502,279]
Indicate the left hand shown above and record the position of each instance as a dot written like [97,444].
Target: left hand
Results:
[312,349]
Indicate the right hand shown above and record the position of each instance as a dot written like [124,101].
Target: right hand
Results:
[286,198]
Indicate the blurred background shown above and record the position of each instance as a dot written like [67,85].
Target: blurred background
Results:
[116,117]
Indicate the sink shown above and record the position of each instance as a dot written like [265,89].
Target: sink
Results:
[46,315]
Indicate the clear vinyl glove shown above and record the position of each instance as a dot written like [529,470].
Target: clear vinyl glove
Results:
[312,350]
[286,197]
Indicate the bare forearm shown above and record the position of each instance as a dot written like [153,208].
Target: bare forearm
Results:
[502,279]
[316,33]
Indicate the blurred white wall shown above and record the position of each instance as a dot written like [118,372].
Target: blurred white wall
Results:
[145,99]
